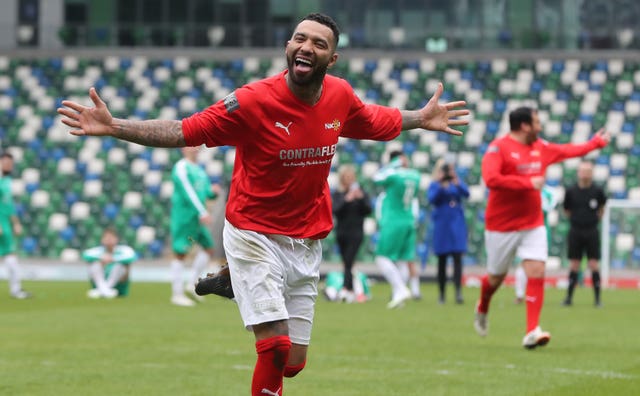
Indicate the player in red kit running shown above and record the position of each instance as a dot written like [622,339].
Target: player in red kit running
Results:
[513,169]
[285,129]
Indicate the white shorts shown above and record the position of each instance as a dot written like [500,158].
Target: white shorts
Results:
[274,277]
[502,248]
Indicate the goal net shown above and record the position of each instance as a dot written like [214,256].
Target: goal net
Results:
[620,237]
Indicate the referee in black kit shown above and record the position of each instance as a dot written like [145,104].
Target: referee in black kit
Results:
[584,204]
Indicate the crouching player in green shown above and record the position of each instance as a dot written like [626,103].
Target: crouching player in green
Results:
[334,284]
[109,266]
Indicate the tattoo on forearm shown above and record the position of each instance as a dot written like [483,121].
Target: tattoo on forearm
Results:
[154,133]
[410,119]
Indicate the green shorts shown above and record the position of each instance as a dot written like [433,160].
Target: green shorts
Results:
[7,241]
[397,242]
[184,237]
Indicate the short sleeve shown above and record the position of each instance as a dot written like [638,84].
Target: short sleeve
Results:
[227,122]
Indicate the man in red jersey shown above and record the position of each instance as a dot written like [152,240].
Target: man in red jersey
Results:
[285,129]
[513,169]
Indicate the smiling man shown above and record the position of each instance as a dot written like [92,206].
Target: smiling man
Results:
[285,129]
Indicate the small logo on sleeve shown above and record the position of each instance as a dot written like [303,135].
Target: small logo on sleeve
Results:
[231,102]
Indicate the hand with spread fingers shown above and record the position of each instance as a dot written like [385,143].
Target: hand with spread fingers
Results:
[91,121]
[435,116]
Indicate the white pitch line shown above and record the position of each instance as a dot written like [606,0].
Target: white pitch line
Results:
[558,370]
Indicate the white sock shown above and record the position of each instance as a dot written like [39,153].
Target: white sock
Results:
[357,285]
[391,274]
[177,285]
[13,273]
[403,268]
[200,263]
[520,282]
[414,284]
[96,272]
[117,271]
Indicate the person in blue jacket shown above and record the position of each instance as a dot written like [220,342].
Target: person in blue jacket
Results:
[445,194]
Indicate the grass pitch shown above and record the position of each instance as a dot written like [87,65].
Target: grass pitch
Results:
[61,343]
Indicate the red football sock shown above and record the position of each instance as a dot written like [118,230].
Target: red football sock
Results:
[486,291]
[291,371]
[273,353]
[534,298]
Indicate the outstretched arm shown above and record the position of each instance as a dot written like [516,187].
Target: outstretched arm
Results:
[435,116]
[97,121]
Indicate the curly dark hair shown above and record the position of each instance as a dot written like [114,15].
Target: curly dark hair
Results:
[327,21]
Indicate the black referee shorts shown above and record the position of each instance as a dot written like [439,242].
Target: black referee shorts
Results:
[584,241]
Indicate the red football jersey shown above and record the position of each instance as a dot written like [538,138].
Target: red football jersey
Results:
[284,149]
[507,168]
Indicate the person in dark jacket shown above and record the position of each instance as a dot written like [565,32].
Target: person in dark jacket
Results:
[350,207]
[446,193]
[584,204]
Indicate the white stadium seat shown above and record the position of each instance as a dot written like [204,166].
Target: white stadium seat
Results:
[69,255]
[139,166]
[92,188]
[369,168]
[40,199]
[624,242]
[58,221]
[31,175]
[80,210]
[477,193]
[145,235]
[152,178]
[166,189]
[132,200]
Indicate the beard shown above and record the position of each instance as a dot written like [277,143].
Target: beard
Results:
[314,78]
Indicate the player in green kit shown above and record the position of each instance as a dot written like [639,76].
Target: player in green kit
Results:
[9,227]
[396,221]
[109,266]
[189,223]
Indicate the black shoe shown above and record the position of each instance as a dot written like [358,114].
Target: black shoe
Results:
[459,300]
[567,302]
[218,284]
[598,304]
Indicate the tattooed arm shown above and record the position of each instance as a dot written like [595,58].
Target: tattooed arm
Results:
[154,133]
[97,121]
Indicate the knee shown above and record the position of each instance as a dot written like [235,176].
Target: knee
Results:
[293,370]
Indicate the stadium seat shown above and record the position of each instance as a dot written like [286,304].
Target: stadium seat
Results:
[69,255]
[624,242]
[40,199]
[92,188]
[58,222]
[139,167]
[132,200]
[145,235]
[166,189]
[152,178]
